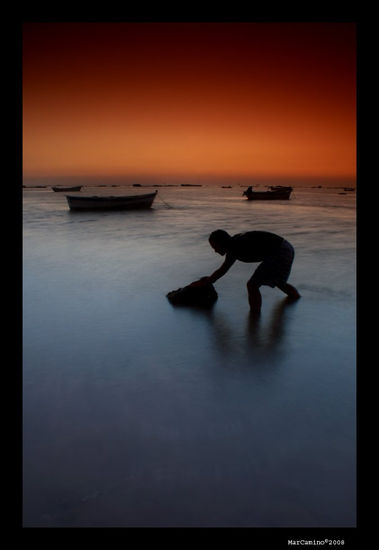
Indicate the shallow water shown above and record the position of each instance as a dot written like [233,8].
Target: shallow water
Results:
[137,413]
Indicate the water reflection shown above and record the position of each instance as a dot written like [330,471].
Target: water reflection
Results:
[258,340]
[272,337]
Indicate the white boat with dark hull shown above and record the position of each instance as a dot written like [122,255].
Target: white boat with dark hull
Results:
[274,193]
[111,202]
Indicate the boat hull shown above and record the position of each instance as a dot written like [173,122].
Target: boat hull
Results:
[269,195]
[129,202]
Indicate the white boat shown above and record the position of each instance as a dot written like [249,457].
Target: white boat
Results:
[274,193]
[111,202]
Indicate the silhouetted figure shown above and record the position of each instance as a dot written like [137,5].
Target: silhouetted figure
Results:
[274,252]
[248,191]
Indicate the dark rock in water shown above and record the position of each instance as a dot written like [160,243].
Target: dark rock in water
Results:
[201,296]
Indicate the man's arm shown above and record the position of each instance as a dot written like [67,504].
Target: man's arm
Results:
[229,261]
[220,272]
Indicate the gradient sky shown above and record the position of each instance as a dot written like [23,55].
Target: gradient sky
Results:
[252,99]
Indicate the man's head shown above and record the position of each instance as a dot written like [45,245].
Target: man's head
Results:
[219,241]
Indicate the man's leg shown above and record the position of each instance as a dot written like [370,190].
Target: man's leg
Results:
[255,298]
[290,290]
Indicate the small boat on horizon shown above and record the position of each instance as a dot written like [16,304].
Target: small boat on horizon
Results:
[277,192]
[67,189]
[111,202]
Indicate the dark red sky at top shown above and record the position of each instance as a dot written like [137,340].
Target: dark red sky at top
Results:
[189,98]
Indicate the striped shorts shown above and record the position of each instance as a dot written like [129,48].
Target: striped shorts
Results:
[275,269]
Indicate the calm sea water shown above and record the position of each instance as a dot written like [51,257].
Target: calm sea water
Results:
[140,414]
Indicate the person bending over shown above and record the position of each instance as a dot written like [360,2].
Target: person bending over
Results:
[275,253]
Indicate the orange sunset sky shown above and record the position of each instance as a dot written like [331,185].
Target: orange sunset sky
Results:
[169,99]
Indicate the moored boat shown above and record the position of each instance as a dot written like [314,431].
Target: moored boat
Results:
[111,202]
[276,193]
[67,189]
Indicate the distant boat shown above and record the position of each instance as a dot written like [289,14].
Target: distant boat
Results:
[35,186]
[67,189]
[274,193]
[121,202]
